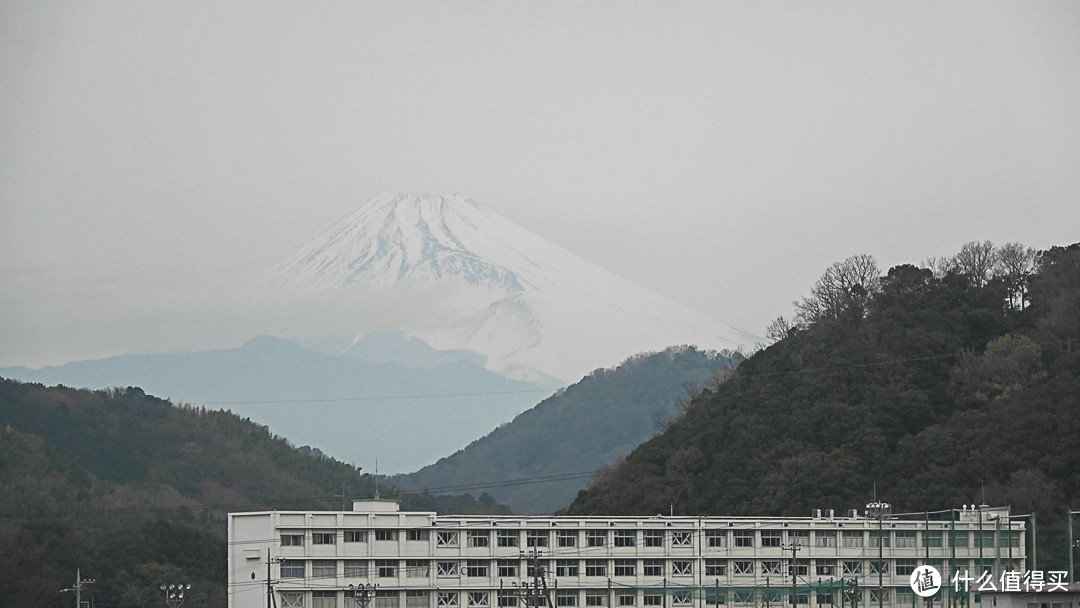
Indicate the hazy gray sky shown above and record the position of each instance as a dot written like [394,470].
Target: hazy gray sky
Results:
[722,153]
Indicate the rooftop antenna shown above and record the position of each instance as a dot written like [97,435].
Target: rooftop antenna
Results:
[376,479]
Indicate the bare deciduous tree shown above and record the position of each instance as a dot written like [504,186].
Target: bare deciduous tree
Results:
[844,287]
[976,261]
[779,329]
[1016,264]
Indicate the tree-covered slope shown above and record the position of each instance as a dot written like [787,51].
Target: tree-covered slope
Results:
[134,492]
[942,385]
[589,425]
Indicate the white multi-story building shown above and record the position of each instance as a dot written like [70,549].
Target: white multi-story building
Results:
[425,560]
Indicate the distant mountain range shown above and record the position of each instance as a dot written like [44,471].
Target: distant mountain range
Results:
[532,309]
[546,454]
[333,403]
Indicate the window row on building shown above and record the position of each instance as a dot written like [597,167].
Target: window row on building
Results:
[587,598]
[674,568]
[661,538]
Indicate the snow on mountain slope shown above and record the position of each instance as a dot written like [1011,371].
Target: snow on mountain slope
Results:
[524,303]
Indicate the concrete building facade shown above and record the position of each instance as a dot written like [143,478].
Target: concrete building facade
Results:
[317,559]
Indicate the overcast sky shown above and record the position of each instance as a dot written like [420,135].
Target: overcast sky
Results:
[153,154]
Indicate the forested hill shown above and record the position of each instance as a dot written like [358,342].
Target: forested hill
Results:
[937,383]
[589,425]
[134,491]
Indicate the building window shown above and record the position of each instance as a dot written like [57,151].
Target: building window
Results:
[566,598]
[323,599]
[744,538]
[653,538]
[852,568]
[904,567]
[716,567]
[446,569]
[507,538]
[715,597]
[682,567]
[906,539]
[323,538]
[536,538]
[566,538]
[417,534]
[595,567]
[530,568]
[479,599]
[716,538]
[292,599]
[958,539]
[625,538]
[881,536]
[292,568]
[985,539]
[906,597]
[595,538]
[356,536]
[508,568]
[652,599]
[652,567]
[507,599]
[682,538]
[385,599]
[802,598]
[770,567]
[446,538]
[802,567]
[324,568]
[446,599]
[853,539]
[824,599]
[292,540]
[682,598]
[476,568]
[417,598]
[744,567]
[875,597]
[386,568]
[355,568]
[771,538]
[566,567]
[596,598]
[825,567]
[877,567]
[625,598]
[744,597]
[479,538]
[931,538]
[417,568]
[799,538]
[390,535]
[825,538]
[625,567]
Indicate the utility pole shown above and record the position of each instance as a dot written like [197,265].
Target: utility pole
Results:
[879,510]
[793,571]
[79,582]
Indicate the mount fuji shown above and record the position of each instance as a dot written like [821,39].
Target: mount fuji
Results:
[480,283]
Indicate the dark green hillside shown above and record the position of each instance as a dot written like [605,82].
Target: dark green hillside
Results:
[935,384]
[134,491]
[589,425]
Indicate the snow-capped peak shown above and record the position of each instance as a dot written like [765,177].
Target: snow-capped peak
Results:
[522,301]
